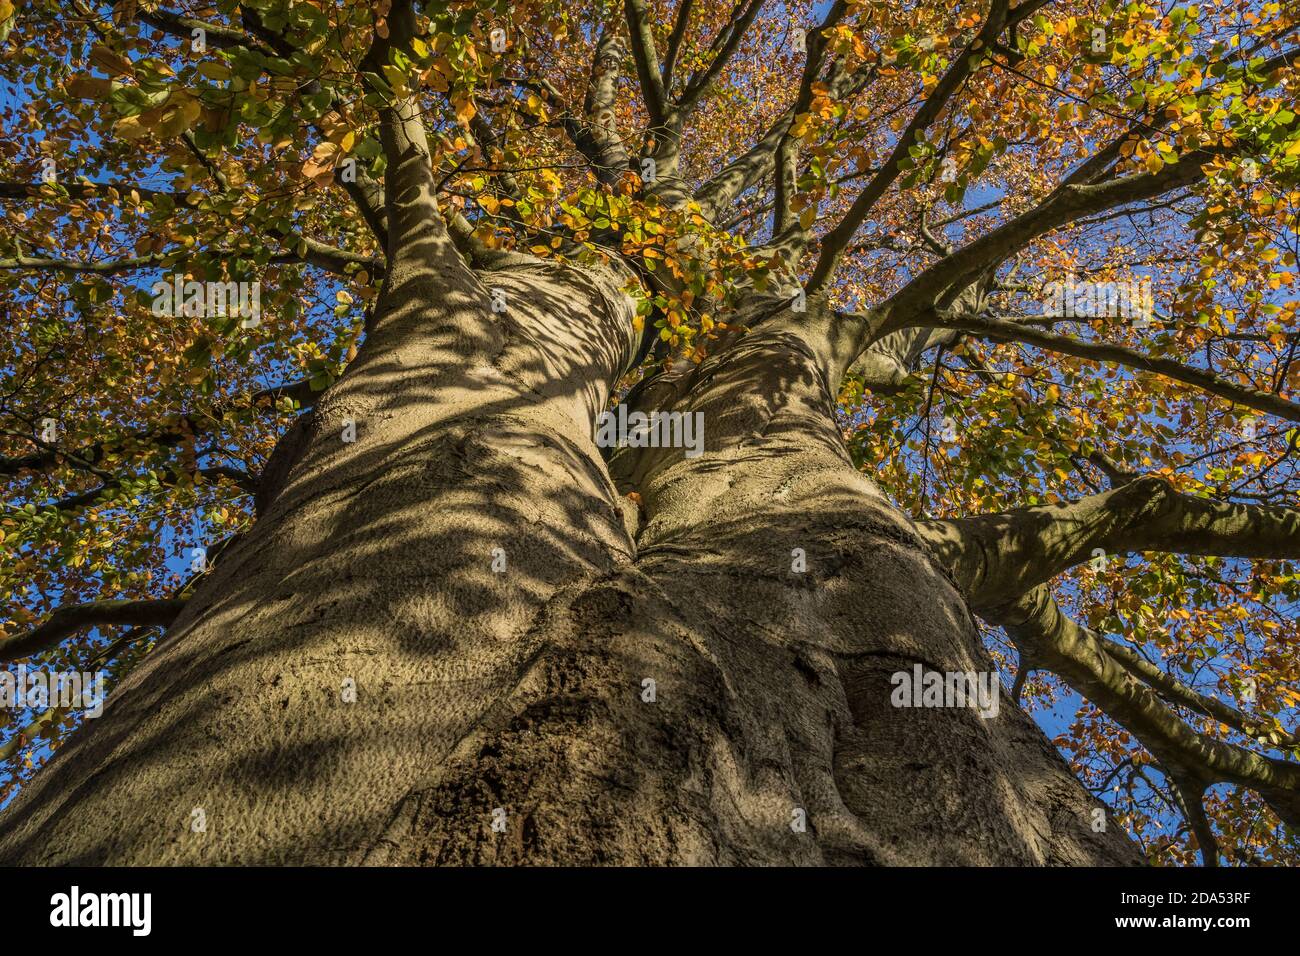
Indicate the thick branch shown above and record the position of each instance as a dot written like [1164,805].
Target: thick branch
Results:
[424,260]
[717,195]
[1077,197]
[891,359]
[332,258]
[1053,641]
[995,557]
[596,136]
[647,60]
[1064,205]
[68,620]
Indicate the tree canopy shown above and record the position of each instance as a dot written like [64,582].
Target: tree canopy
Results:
[1059,237]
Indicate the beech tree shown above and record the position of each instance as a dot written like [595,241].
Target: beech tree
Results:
[985,311]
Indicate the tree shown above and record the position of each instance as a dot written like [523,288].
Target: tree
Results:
[900,261]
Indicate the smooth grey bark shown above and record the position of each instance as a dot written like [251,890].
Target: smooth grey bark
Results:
[521,689]
[442,533]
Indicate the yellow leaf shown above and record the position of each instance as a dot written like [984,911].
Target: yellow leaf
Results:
[320,167]
[131,127]
[114,64]
[214,70]
[463,104]
[396,79]
[179,114]
[86,87]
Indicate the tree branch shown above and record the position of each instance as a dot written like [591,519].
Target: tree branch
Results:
[1003,330]
[165,436]
[717,195]
[995,557]
[68,620]
[1194,760]
[1064,205]
[836,242]
[170,476]
[596,136]
[647,60]
[217,35]
[746,170]
[84,190]
[319,254]
[675,44]
[1096,166]
[107,267]
[1176,692]
[730,38]
[786,161]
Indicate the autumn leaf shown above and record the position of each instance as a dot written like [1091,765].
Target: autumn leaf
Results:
[88,87]
[111,62]
[320,167]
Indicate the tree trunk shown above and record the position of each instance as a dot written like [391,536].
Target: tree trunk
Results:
[474,567]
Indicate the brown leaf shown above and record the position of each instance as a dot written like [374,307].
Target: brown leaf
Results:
[124,11]
[320,167]
[112,63]
[85,87]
